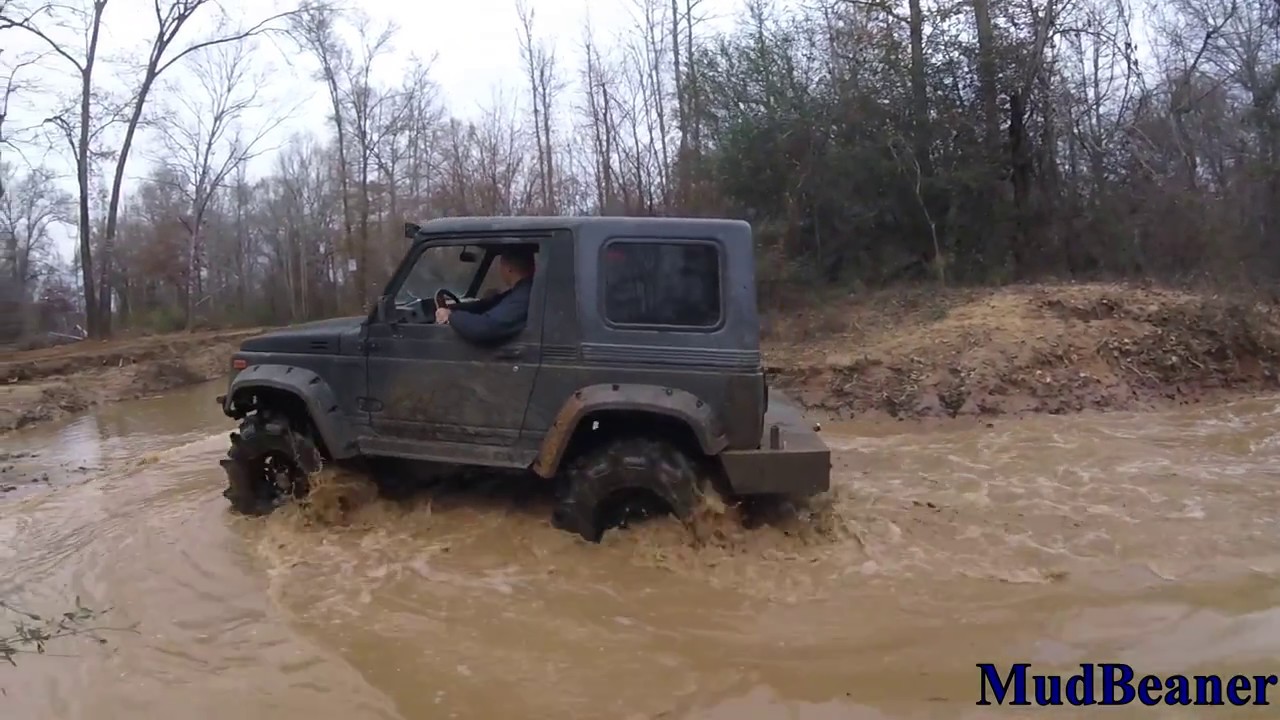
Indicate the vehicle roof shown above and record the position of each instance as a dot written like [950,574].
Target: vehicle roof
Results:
[515,223]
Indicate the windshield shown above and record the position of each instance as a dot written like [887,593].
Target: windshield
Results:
[438,267]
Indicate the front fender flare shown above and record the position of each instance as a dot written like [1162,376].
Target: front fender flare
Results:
[315,393]
[674,403]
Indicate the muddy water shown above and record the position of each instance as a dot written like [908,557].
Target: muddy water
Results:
[1150,539]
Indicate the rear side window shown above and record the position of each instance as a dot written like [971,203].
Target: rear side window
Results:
[661,283]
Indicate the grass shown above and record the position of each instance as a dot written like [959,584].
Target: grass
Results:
[31,633]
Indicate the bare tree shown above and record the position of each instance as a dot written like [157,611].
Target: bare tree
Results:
[170,20]
[421,118]
[43,22]
[366,103]
[406,125]
[83,59]
[17,80]
[315,29]
[539,60]
[654,42]
[596,82]
[28,212]
[205,141]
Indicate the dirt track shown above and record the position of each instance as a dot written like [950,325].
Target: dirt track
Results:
[900,354]
[46,384]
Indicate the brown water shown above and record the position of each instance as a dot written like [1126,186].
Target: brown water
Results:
[1149,539]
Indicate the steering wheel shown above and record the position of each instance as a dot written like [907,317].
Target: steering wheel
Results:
[444,294]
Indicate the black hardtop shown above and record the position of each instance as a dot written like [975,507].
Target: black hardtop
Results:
[627,225]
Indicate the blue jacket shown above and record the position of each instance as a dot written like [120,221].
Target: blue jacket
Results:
[496,319]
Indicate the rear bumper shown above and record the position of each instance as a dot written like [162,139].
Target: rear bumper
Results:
[790,460]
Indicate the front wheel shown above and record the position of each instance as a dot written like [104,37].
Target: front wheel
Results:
[269,461]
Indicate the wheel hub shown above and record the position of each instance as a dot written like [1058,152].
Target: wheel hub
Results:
[279,474]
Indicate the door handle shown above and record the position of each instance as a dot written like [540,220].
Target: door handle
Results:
[510,353]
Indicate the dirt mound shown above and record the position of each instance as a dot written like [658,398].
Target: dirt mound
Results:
[46,384]
[90,355]
[1033,349]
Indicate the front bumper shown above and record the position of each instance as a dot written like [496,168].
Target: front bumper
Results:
[791,459]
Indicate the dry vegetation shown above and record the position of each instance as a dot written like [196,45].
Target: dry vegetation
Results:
[1036,348]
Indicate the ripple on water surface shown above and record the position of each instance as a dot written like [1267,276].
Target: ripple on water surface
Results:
[1150,538]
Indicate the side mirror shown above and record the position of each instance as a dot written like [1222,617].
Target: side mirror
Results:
[411,230]
[383,308]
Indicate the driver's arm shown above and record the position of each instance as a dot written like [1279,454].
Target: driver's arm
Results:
[479,305]
[504,320]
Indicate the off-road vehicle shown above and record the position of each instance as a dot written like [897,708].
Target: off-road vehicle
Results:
[637,375]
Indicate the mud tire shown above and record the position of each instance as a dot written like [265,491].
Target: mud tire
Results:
[265,446]
[592,481]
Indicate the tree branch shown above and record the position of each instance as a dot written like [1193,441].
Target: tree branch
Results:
[257,29]
[7,21]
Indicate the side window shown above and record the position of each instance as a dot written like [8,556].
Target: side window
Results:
[437,267]
[661,283]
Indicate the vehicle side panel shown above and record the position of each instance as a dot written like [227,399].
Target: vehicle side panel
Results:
[561,337]
[322,404]
[433,393]
[342,368]
[721,367]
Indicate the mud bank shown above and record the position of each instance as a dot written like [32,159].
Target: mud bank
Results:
[900,354]
[42,385]
[1028,349]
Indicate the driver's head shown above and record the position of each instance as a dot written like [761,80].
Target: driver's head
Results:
[515,265]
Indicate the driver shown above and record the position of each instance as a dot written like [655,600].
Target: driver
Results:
[502,316]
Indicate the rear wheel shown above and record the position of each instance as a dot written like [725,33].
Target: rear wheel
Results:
[623,480]
[268,463]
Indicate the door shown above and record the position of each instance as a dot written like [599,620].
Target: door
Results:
[431,394]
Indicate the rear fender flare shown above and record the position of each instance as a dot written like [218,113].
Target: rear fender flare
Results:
[677,404]
[315,393]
